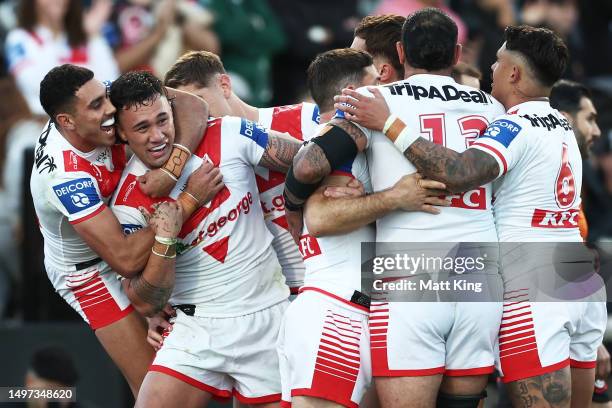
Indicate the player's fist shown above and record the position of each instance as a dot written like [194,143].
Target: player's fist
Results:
[204,183]
[167,219]
[295,223]
[156,183]
[414,193]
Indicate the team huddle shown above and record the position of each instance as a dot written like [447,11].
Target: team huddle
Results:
[226,211]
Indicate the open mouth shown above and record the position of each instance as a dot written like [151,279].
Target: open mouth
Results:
[108,126]
[158,150]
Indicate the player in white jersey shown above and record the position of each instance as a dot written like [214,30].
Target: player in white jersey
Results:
[77,167]
[533,154]
[202,73]
[229,298]
[439,364]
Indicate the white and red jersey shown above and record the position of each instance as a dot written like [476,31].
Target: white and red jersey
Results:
[225,261]
[448,114]
[69,186]
[31,54]
[537,196]
[333,263]
[299,121]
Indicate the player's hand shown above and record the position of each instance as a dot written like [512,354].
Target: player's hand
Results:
[414,193]
[354,188]
[367,111]
[156,183]
[167,219]
[295,223]
[602,370]
[205,183]
[158,325]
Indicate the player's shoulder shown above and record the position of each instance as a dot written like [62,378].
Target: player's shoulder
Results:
[539,116]
[50,153]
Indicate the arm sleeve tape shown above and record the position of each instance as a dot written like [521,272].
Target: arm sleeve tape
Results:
[337,145]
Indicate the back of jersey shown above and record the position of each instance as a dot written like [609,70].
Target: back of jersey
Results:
[448,114]
[537,197]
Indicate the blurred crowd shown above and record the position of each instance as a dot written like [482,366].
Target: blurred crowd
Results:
[265,46]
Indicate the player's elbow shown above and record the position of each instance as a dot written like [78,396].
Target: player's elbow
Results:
[315,222]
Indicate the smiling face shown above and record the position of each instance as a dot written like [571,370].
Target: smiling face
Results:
[93,116]
[149,130]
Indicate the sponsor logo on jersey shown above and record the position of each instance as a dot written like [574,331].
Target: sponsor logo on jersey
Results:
[503,130]
[549,122]
[255,132]
[130,228]
[446,93]
[309,246]
[471,200]
[555,219]
[77,195]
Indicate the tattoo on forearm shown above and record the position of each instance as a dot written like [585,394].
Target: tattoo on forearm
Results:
[153,295]
[279,153]
[552,389]
[459,171]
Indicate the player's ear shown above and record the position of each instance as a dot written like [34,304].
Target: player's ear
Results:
[458,52]
[386,73]
[400,52]
[65,120]
[226,85]
[515,75]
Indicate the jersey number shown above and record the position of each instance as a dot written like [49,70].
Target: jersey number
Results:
[434,126]
[565,186]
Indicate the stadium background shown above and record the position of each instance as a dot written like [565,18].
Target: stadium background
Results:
[266,47]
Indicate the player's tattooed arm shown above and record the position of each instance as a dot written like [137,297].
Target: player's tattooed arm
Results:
[551,390]
[459,171]
[154,297]
[279,152]
[312,164]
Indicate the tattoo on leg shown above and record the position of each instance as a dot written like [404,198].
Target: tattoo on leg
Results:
[547,390]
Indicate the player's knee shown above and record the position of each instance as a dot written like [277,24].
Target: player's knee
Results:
[459,401]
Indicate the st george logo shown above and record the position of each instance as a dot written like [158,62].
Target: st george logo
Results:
[80,200]
[565,186]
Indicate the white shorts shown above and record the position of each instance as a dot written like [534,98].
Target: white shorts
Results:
[540,337]
[324,349]
[94,292]
[226,356]
[412,339]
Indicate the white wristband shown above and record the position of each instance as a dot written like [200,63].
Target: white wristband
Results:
[388,123]
[405,139]
[165,240]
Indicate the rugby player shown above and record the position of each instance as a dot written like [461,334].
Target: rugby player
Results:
[324,341]
[202,73]
[438,367]
[547,350]
[229,297]
[77,167]
[377,35]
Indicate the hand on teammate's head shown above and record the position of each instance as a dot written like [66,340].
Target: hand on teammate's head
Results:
[370,112]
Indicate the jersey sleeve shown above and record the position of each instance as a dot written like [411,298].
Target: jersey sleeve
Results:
[505,140]
[76,195]
[248,139]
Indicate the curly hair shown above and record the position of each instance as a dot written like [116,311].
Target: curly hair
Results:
[135,88]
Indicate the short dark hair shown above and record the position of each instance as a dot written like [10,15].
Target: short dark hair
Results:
[429,37]
[333,70]
[194,67]
[135,88]
[462,68]
[59,87]
[54,364]
[566,95]
[544,50]
[380,34]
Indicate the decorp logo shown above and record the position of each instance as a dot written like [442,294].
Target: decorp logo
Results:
[77,195]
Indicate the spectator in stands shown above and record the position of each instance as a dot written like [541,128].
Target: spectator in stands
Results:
[51,33]
[466,74]
[151,35]
[51,368]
